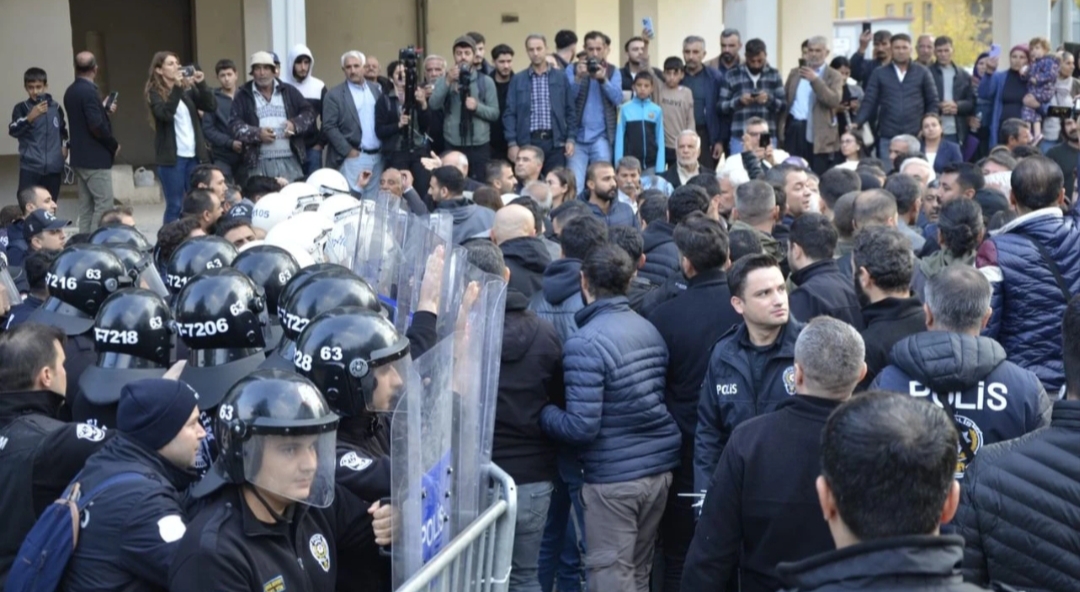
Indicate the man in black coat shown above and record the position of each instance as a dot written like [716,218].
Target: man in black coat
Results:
[661,254]
[883,268]
[1018,491]
[524,252]
[762,508]
[822,289]
[93,147]
[885,489]
[39,455]
[705,305]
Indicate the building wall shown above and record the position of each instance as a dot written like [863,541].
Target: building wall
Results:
[219,33]
[854,9]
[376,28]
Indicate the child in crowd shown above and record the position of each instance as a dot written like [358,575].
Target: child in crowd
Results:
[1041,75]
[640,132]
[677,103]
[39,126]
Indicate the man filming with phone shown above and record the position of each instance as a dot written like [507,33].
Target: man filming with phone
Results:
[756,142]
[814,91]
[752,90]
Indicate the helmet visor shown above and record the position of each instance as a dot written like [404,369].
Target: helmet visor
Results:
[297,466]
[385,381]
[150,279]
[8,286]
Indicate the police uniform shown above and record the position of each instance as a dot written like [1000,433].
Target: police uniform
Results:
[39,456]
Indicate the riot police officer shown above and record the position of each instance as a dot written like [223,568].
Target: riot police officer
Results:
[133,339]
[270,267]
[312,295]
[120,234]
[277,452]
[195,255]
[80,280]
[134,251]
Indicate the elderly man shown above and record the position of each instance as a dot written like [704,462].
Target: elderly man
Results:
[349,125]
[687,153]
[919,168]
[525,254]
[903,145]
[270,118]
[813,92]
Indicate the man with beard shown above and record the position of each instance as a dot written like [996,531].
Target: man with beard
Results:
[637,60]
[1067,153]
[730,46]
[754,90]
[704,83]
[300,75]
[467,96]
[602,196]
[814,91]
[503,73]
[349,125]
[750,369]
[884,265]
[204,206]
[270,118]
[898,96]
[371,74]
[861,69]
[687,152]
[478,61]
[924,49]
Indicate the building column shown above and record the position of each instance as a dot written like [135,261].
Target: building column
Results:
[1017,21]
[288,26]
[799,21]
[756,19]
[677,19]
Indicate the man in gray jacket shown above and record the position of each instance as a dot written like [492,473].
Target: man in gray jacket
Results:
[899,94]
[471,104]
[348,124]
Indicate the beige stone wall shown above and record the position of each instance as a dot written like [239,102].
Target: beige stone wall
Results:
[219,33]
[376,28]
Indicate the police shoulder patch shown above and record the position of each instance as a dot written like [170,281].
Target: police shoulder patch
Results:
[789,380]
[85,431]
[355,462]
[320,551]
[171,528]
[275,584]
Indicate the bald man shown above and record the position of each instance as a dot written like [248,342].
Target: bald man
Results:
[92,145]
[525,254]
[460,162]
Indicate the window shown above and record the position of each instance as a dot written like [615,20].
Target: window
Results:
[928,13]
[909,9]
[890,10]
[841,9]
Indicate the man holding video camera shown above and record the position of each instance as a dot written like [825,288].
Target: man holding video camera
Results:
[471,104]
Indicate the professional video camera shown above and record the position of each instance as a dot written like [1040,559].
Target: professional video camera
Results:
[410,58]
[593,65]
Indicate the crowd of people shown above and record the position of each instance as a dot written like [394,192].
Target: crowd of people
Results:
[761,332]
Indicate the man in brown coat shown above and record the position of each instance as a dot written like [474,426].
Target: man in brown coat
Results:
[813,93]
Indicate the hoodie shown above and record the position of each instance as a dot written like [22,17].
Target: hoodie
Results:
[311,87]
[527,257]
[661,254]
[560,296]
[992,399]
[470,220]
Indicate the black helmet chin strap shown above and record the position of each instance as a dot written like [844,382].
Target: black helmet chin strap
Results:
[289,511]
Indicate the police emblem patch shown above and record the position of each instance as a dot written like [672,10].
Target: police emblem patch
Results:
[789,380]
[971,440]
[88,432]
[354,462]
[320,551]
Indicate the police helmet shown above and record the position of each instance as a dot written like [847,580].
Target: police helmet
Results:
[81,278]
[120,234]
[264,416]
[328,181]
[309,231]
[221,309]
[300,277]
[195,255]
[323,291]
[270,267]
[271,210]
[135,323]
[347,353]
[304,196]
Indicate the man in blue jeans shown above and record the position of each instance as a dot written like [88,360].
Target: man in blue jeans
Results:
[597,90]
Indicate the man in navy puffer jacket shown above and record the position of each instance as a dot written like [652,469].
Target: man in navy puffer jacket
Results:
[990,398]
[615,367]
[1033,264]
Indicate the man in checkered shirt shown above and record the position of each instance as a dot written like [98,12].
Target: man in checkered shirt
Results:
[540,109]
[754,89]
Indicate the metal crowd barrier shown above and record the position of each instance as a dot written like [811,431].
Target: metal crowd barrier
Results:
[479,557]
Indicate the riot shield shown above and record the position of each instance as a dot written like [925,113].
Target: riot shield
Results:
[477,354]
[420,461]
[8,284]
[341,246]
[380,238]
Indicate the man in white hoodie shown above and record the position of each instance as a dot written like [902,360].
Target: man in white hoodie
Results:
[298,71]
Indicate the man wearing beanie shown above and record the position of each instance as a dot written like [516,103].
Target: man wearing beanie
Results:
[132,530]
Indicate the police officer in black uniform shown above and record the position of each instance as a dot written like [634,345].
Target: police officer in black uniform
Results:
[221,318]
[312,295]
[195,255]
[274,517]
[133,337]
[80,280]
[39,455]
[271,267]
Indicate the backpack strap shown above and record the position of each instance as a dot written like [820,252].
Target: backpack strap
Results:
[1049,261]
[85,499]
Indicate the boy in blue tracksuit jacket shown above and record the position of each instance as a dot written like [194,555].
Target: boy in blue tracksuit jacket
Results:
[38,124]
[640,132]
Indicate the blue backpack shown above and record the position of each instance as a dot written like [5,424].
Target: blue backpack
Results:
[45,552]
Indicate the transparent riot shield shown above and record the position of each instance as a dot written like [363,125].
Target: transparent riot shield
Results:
[477,355]
[379,253]
[416,273]
[341,244]
[421,462]
[8,284]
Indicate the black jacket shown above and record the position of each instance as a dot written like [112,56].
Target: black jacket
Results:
[531,376]
[823,290]
[899,106]
[661,254]
[227,548]
[1018,508]
[39,458]
[559,298]
[887,322]
[920,563]
[762,508]
[527,257]
[730,396]
[992,398]
[963,94]
[705,306]
[92,143]
[244,120]
[673,286]
[215,125]
[387,128]
[40,141]
[135,526]
[200,97]
[363,468]
[639,290]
